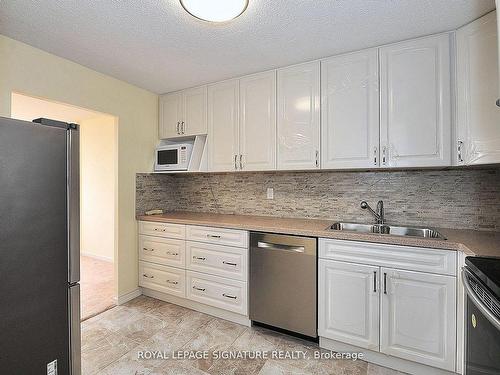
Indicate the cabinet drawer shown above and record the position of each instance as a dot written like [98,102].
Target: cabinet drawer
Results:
[162,229]
[402,257]
[221,236]
[165,251]
[162,278]
[217,260]
[216,291]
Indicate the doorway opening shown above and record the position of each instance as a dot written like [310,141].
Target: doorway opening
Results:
[98,195]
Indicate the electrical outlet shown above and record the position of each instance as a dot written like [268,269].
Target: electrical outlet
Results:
[270,193]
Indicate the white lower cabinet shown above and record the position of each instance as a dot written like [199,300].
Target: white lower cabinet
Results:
[404,313]
[418,317]
[197,264]
[217,291]
[349,303]
[164,279]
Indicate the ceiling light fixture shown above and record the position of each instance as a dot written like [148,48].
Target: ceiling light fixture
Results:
[215,10]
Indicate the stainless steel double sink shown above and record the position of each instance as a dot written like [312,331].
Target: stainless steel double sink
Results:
[387,229]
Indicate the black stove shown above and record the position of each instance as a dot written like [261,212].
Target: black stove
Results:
[481,279]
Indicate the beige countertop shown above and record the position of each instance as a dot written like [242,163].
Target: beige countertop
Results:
[471,242]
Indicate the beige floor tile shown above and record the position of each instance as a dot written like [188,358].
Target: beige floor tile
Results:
[100,352]
[276,367]
[111,342]
[379,370]
[144,304]
[142,328]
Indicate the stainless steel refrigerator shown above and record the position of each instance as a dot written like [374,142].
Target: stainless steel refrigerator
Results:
[39,248]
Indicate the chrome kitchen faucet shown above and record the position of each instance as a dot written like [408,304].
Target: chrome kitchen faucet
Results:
[378,214]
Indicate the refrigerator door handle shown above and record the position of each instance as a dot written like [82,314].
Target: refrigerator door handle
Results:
[75,345]
[73,191]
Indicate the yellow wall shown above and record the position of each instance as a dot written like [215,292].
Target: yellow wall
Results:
[97,192]
[31,71]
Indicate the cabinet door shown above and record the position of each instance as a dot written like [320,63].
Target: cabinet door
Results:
[299,116]
[258,121]
[418,317]
[415,118]
[348,303]
[478,117]
[195,111]
[170,115]
[350,111]
[223,148]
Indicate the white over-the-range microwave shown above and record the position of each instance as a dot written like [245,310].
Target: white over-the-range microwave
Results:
[173,157]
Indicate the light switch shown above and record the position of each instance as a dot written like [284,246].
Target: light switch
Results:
[270,193]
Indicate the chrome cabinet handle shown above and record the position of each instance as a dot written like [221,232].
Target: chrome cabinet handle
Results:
[459,151]
[385,283]
[229,263]
[375,281]
[375,154]
[172,282]
[235,161]
[384,158]
[229,296]
[241,163]
[177,128]
[200,289]
[212,236]
[146,275]
[182,127]
[199,258]
[274,246]
[171,253]
[317,159]
[146,249]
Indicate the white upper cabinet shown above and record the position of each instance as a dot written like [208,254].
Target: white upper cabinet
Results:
[195,111]
[415,118]
[223,127]
[170,115]
[418,314]
[299,116]
[350,111]
[348,303]
[258,122]
[478,117]
[183,113]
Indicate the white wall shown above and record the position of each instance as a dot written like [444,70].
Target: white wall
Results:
[37,73]
[98,164]
[97,187]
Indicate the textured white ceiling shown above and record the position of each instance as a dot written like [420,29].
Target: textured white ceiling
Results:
[156,45]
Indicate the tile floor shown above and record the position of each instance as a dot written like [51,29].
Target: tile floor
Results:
[97,286]
[112,340]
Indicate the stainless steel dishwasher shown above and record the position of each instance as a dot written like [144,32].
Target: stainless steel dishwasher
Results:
[283,282]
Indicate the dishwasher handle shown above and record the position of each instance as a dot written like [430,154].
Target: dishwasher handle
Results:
[275,246]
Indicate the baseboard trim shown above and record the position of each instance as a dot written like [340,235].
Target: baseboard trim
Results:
[99,257]
[210,310]
[383,359]
[124,298]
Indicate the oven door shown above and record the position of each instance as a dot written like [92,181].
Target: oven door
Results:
[167,159]
[482,345]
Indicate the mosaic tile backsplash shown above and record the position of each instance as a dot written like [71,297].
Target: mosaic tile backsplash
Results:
[457,198]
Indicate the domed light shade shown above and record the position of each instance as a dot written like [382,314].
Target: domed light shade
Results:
[215,10]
